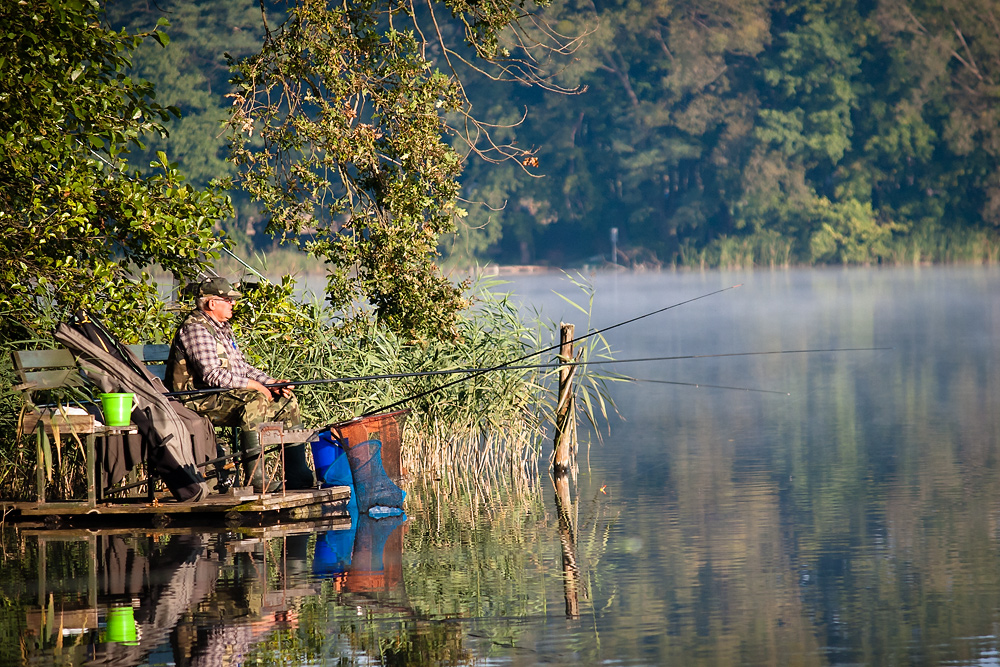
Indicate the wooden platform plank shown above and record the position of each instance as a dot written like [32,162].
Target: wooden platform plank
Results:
[276,501]
[274,433]
[215,503]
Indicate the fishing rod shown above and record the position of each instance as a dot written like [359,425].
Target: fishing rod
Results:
[478,372]
[235,458]
[543,351]
[455,371]
[473,372]
[239,458]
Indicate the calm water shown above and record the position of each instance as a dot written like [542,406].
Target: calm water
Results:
[850,518]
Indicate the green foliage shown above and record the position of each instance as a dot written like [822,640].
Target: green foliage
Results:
[190,72]
[646,149]
[701,126]
[704,125]
[850,234]
[350,113]
[76,220]
[299,343]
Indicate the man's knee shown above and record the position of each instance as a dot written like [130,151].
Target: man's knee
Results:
[255,410]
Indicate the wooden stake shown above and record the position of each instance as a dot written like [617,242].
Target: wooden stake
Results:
[565,437]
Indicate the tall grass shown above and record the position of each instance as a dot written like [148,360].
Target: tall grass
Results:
[962,246]
[762,249]
[921,246]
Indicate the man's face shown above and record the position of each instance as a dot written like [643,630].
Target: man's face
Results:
[219,308]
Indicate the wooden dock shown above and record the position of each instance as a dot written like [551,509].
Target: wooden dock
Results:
[237,507]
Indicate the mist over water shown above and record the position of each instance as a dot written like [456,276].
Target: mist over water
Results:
[851,522]
[850,518]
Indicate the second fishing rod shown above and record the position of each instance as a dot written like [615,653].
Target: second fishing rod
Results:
[519,367]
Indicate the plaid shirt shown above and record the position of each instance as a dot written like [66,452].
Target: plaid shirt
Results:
[200,349]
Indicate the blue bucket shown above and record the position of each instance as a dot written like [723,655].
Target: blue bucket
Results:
[332,466]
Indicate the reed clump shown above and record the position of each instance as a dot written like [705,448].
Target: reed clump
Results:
[955,246]
[764,248]
[490,425]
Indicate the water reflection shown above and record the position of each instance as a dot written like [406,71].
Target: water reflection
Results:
[566,509]
[192,598]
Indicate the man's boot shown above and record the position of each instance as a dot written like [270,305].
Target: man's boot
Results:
[298,474]
[251,461]
[223,480]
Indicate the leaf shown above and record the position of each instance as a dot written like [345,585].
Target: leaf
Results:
[46,453]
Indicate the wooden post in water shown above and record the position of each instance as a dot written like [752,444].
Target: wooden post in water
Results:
[565,438]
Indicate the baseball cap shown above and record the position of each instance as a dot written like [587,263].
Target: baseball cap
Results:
[218,287]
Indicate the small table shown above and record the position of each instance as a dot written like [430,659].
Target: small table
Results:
[69,424]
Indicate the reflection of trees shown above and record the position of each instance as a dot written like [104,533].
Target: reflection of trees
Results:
[893,494]
[864,526]
[859,516]
[720,584]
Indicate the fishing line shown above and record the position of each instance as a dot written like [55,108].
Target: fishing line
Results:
[548,349]
[478,372]
[699,385]
[245,265]
[521,367]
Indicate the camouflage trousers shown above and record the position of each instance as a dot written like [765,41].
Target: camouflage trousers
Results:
[246,408]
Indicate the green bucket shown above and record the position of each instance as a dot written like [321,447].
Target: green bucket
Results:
[117,409]
[121,625]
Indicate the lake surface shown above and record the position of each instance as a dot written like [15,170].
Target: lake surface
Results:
[828,508]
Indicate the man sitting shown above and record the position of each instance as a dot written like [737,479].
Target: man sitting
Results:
[204,355]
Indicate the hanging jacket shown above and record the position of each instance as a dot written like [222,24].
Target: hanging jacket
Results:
[174,439]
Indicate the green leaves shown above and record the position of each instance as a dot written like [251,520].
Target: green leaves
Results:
[349,115]
[78,223]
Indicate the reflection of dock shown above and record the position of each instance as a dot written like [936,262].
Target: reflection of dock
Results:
[45,535]
[160,576]
[236,508]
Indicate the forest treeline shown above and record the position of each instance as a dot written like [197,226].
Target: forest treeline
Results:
[718,132]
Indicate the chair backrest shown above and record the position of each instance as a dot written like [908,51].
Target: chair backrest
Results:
[154,356]
[46,369]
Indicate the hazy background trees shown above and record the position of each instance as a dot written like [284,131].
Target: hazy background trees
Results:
[756,131]
[726,131]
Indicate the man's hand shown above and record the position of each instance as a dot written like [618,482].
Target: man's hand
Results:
[272,393]
[286,392]
[253,384]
